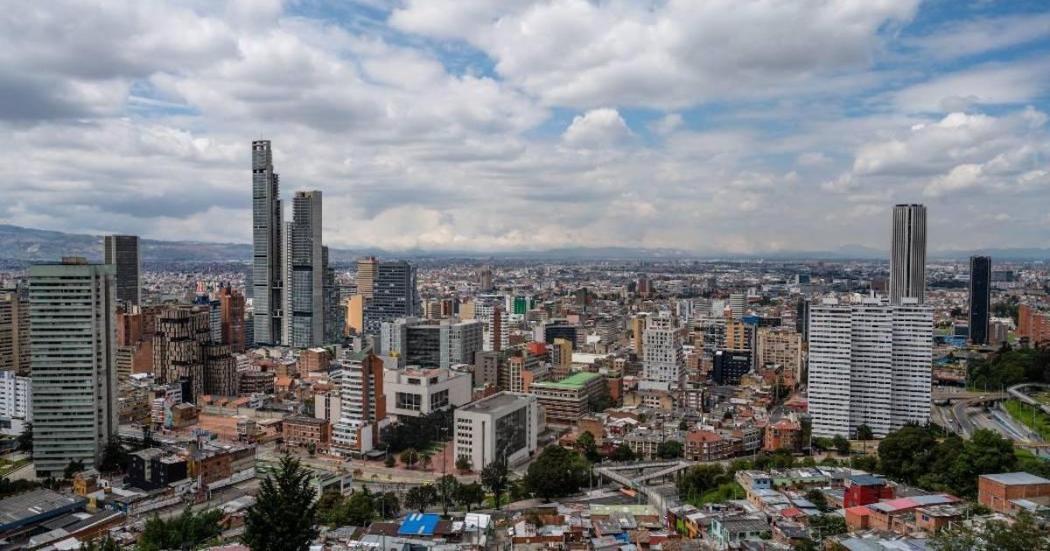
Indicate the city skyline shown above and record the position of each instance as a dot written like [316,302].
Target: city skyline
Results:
[435,126]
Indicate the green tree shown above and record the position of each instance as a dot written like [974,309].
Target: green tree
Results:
[623,452]
[331,509]
[186,531]
[425,459]
[105,543]
[1024,534]
[907,453]
[420,497]
[74,467]
[389,462]
[284,513]
[410,457]
[841,444]
[114,458]
[700,479]
[447,487]
[669,449]
[827,525]
[25,440]
[864,432]
[463,463]
[469,495]
[556,472]
[494,477]
[387,505]
[585,443]
[817,497]
[360,509]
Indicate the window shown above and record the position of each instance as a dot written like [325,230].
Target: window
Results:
[439,400]
[406,400]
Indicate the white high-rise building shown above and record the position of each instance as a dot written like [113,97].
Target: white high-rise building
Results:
[73,348]
[869,364]
[662,349]
[16,402]
[908,254]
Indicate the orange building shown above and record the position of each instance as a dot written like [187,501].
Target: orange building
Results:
[999,492]
[305,431]
[785,434]
[1033,324]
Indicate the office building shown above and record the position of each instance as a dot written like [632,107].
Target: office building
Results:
[519,369]
[267,244]
[231,307]
[908,254]
[492,315]
[333,304]
[729,366]
[122,252]
[738,305]
[16,403]
[413,392]
[662,356]
[1033,325]
[485,280]
[869,364]
[561,357]
[14,330]
[220,370]
[394,295]
[178,348]
[504,426]
[432,343]
[73,353]
[559,329]
[363,404]
[567,400]
[304,273]
[366,276]
[980,298]
[355,315]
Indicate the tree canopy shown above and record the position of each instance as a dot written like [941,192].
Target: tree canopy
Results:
[918,456]
[495,477]
[284,514]
[186,531]
[557,472]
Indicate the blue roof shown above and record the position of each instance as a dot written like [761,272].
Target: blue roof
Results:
[419,524]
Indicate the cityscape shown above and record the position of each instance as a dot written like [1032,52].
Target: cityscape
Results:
[527,310]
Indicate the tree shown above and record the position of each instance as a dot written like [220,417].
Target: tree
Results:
[387,505]
[447,487]
[389,462]
[585,443]
[623,452]
[360,509]
[700,479]
[105,543]
[1023,535]
[25,440]
[425,459]
[468,495]
[284,513]
[669,449]
[186,531]
[10,488]
[74,467]
[463,463]
[827,525]
[420,497]
[817,497]
[410,457]
[494,477]
[331,509]
[864,432]
[841,444]
[556,472]
[907,453]
[114,458]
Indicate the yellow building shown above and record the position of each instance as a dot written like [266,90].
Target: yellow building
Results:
[355,314]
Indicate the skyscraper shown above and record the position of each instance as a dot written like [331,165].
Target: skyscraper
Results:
[362,404]
[869,364]
[394,294]
[73,344]
[366,276]
[266,246]
[305,273]
[980,298]
[123,252]
[662,349]
[908,254]
[178,348]
[233,327]
[14,330]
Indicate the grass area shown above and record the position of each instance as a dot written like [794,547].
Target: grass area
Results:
[1042,397]
[724,492]
[8,467]
[1029,417]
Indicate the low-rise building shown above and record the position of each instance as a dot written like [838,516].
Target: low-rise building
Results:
[502,426]
[414,392]
[569,399]
[1004,492]
[303,431]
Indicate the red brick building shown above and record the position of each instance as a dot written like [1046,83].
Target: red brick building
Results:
[999,492]
[783,435]
[1033,324]
[864,490]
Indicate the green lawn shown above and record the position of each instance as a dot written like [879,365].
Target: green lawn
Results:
[1029,417]
[724,492]
[8,467]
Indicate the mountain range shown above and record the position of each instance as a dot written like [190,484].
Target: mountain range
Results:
[20,245]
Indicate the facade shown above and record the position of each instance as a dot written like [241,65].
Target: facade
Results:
[303,431]
[178,348]
[16,402]
[394,295]
[569,399]
[14,331]
[122,251]
[231,308]
[869,363]
[220,370]
[366,276]
[73,349]
[729,366]
[980,298]
[414,392]
[267,245]
[908,254]
[305,267]
[782,347]
[432,343]
[1033,325]
[504,426]
[559,329]
[662,350]
[154,468]
[363,404]
[1005,493]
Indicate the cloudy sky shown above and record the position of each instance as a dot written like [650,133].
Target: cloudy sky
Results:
[704,125]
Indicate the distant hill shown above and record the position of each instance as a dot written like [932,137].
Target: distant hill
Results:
[19,245]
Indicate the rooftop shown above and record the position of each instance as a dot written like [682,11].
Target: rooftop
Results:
[22,507]
[496,402]
[1016,479]
[572,382]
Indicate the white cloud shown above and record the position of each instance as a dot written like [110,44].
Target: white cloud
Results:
[596,128]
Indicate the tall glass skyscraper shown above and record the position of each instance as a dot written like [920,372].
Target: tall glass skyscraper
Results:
[908,254]
[267,279]
[305,273]
[122,251]
[980,298]
[394,295]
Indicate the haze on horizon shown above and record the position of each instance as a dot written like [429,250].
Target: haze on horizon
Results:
[727,126]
